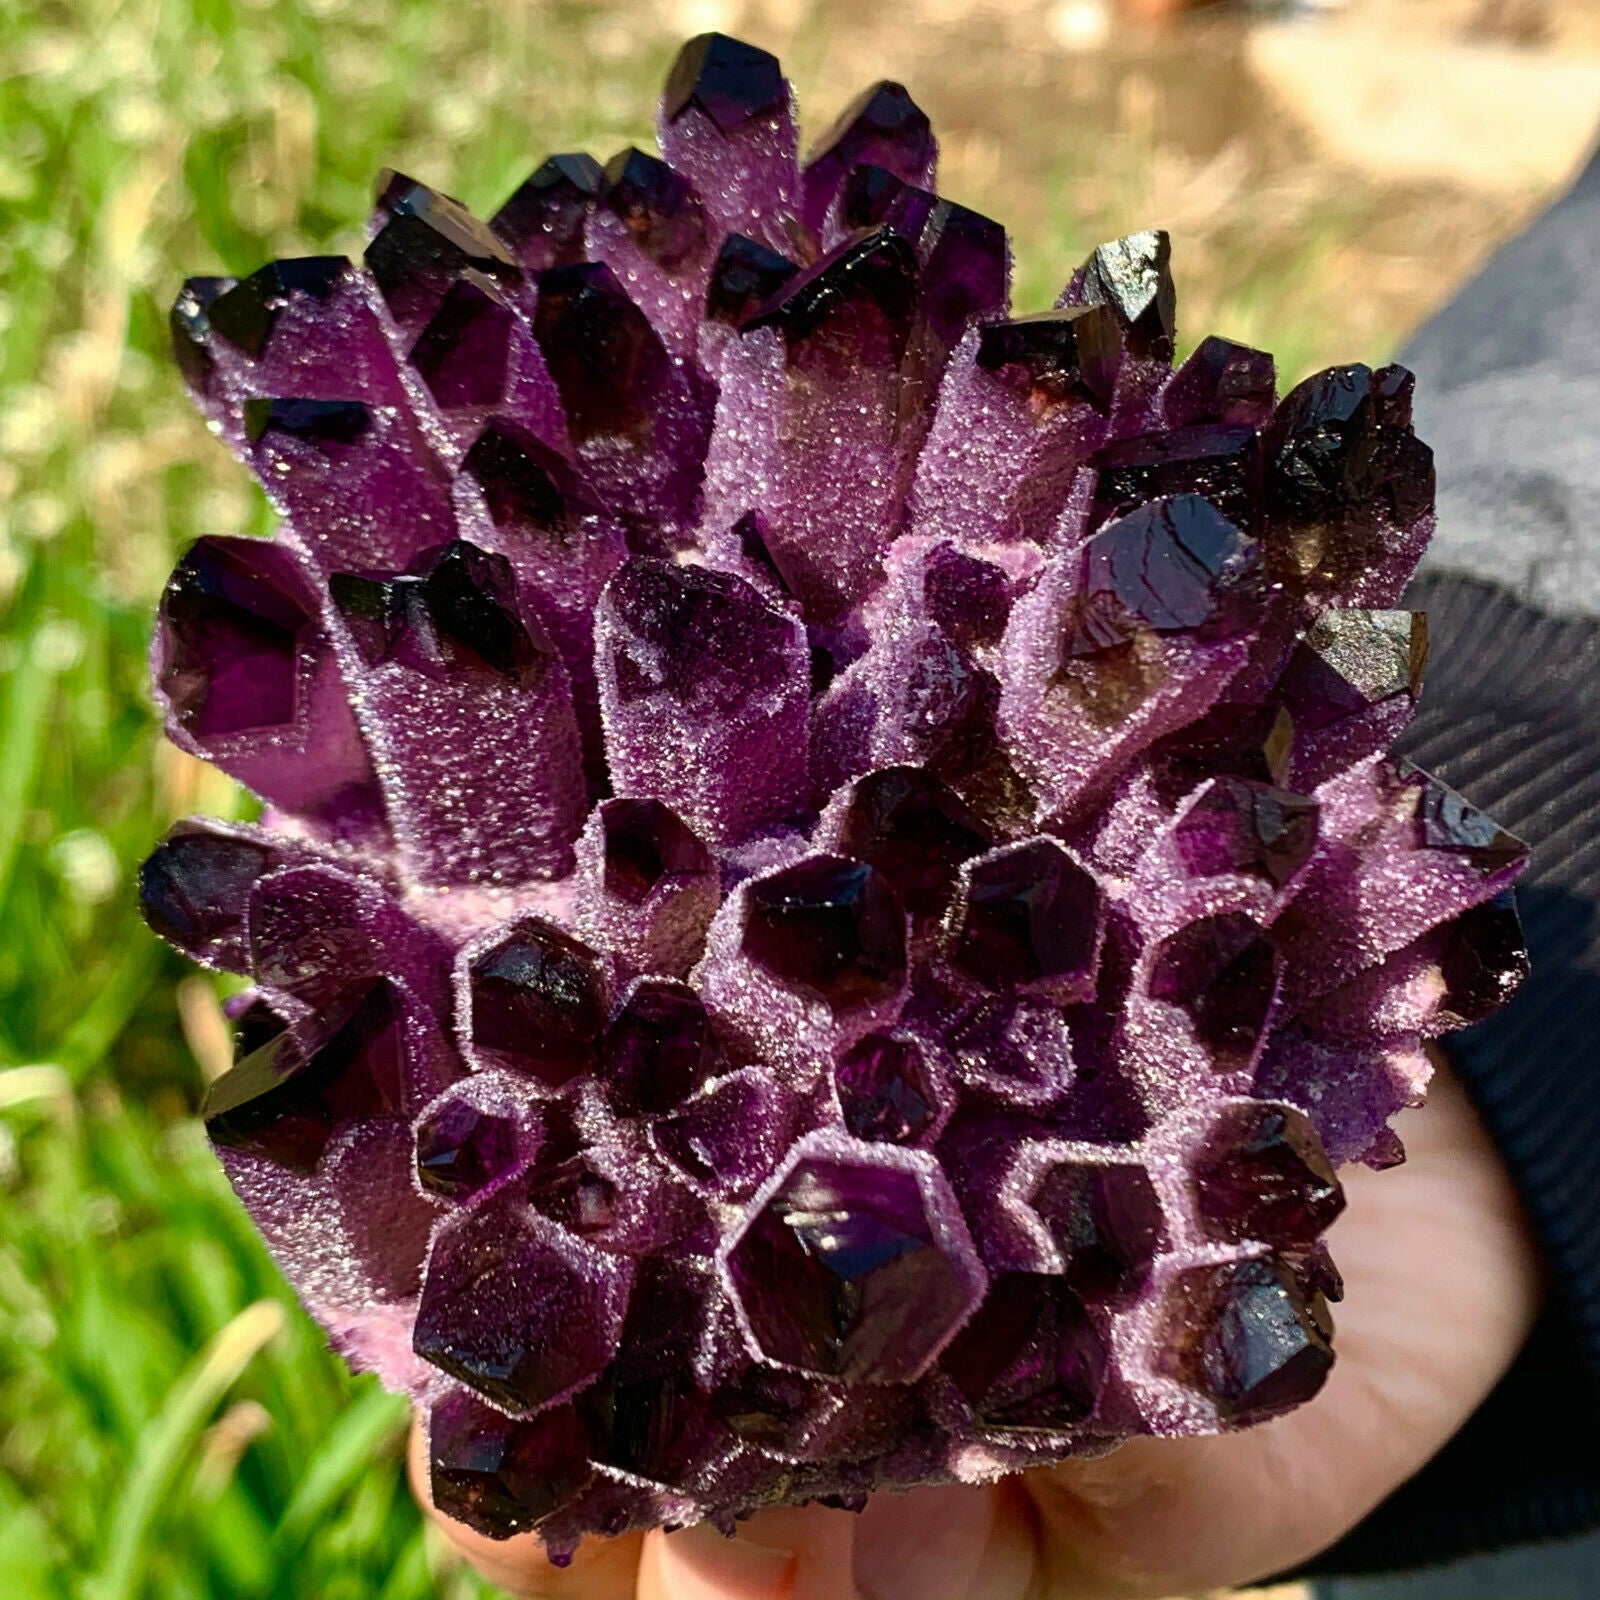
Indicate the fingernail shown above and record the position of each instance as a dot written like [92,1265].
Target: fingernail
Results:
[926,1545]
[701,1564]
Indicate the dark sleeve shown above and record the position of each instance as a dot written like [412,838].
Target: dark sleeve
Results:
[1511,717]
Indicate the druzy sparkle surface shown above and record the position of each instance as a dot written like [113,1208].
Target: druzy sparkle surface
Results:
[831,897]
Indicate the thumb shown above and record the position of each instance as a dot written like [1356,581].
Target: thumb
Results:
[796,1553]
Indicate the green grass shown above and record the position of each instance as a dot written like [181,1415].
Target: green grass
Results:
[170,1424]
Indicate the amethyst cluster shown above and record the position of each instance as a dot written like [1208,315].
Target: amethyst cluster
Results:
[831,896]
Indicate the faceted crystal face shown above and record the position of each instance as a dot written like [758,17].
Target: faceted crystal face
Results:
[885,1090]
[831,927]
[1029,1359]
[1134,277]
[1219,462]
[426,243]
[1106,1221]
[968,598]
[284,1101]
[1030,912]
[732,82]
[646,843]
[1173,566]
[701,637]
[502,1475]
[1250,742]
[1222,382]
[884,127]
[818,824]
[840,1273]
[860,299]
[245,313]
[607,361]
[1071,353]
[915,831]
[516,1311]
[1224,971]
[461,1149]
[194,890]
[542,223]
[525,484]
[538,1003]
[658,207]
[1264,1175]
[326,424]
[1243,1334]
[745,276]
[459,612]
[1240,826]
[463,352]
[232,630]
[659,1048]
[1447,821]
[1484,960]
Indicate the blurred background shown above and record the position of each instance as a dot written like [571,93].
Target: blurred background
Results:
[169,1423]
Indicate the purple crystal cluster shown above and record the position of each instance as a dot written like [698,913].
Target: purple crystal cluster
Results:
[831,896]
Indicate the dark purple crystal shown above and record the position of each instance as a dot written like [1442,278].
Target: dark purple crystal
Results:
[731,82]
[830,926]
[1068,354]
[968,598]
[656,205]
[538,1003]
[1252,742]
[426,242]
[1220,462]
[1030,912]
[234,626]
[461,1149]
[323,424]
[607,361]
[189,326]
[1263,1174]
[1106,1221]
[916,831]
[502,1475]
[543,221]
[1173,566]
[1133,275]
[659,1048]
[245,313]
[1029,1359]
[1244,1334]
[1224,971]
[744,277]
[463,352]
[885,127]
[1221,382]
[840,1273]
[1236,825]
[1484,959]
[1447,821]
[886,1092]
[284,1101]
[194,890]
[646,842]
[516,1310]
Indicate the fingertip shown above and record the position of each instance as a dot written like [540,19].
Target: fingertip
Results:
[790,1554]
[600,1569]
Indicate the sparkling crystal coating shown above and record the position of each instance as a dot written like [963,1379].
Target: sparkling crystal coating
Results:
[831,897]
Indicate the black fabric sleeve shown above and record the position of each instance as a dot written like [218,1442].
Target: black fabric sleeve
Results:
[1511,717]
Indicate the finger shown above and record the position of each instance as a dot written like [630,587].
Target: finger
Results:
[948,1543]
[797,1553]
[601,1569]
[1442,1287]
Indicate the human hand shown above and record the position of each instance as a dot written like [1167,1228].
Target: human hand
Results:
[1442,1284]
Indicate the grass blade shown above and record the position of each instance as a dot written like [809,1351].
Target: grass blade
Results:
[168,1439]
